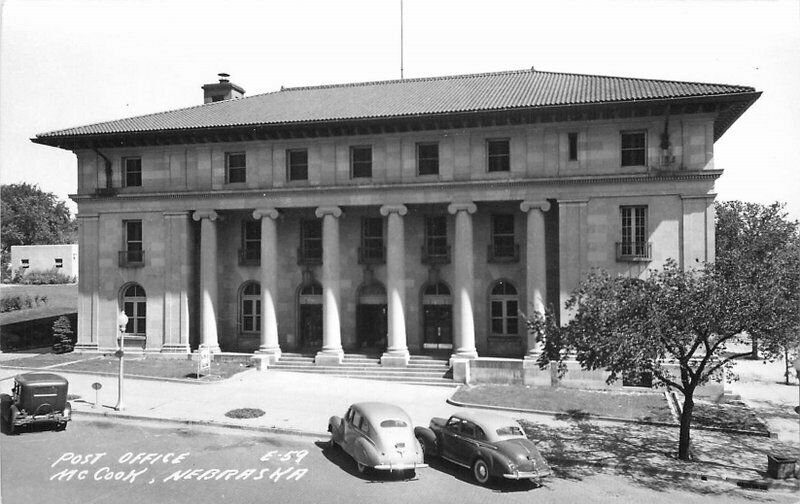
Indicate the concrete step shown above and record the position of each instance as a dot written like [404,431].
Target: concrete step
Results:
[361,369]
[408,379]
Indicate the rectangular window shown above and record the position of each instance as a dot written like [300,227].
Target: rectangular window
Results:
[251,242]
[59,262]
[310,241]
[251,314]
[235,167]
[361,162]
[503,246]
[134,249]
[371,240]
[499,155]
[633,148]
[634,245]
[572,139]
[427,159]
[297,164]
[436,248]
[133,172]
[25,263]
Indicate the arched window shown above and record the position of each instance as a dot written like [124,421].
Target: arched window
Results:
[250,312]
[504,309]
[134,303]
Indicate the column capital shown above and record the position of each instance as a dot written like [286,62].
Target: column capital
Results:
[258,213]
[542,205]
[205,214]
[330,210]
[400,210]
[468,207]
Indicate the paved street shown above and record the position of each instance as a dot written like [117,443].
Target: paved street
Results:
[98,460]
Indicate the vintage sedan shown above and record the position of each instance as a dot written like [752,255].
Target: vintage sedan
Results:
[488,444]
[378,436]
[37,398]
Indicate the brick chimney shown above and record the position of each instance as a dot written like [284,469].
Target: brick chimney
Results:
[222,90]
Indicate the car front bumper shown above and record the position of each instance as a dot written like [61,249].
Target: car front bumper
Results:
[400,466]
[518,475]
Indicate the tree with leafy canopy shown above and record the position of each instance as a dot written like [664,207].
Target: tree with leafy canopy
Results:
[31,216]
[675,324]
[758,247]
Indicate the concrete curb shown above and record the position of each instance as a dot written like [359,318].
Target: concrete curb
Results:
[207,423]
[606,418]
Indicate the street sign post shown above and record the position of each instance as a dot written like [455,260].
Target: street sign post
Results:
[96,386]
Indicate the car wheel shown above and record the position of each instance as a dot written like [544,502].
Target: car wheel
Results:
[480,471]
[423,446]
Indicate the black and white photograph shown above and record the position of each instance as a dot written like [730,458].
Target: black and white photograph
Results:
[399,251]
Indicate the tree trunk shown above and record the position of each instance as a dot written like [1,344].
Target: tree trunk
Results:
[684,446]
[754,347]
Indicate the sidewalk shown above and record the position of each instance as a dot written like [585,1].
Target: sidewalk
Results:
[301,403]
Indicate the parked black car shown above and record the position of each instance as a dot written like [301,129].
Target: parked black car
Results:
[488,444]
[37,398]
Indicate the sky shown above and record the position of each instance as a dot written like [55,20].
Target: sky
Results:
[66,63]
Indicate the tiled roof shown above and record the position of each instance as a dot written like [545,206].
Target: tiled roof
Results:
[523,89]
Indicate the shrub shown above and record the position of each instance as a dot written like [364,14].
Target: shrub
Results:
[62,336]
[49,277]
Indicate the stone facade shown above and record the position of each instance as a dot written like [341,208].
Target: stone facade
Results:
[208,247]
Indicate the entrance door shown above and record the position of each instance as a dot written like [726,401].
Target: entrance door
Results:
[371,326]
[310,327]
[438,323]
[437,317]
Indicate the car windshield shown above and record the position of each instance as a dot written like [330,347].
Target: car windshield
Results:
[511,430]
[393,423]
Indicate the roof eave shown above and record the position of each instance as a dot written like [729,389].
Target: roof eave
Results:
[92,140]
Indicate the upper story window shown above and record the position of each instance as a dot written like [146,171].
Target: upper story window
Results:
[634,245]
[428,158]
[372,249]
[634,146]
[133,172]
[503,247]
[133,255]
[361,161]
[499,155]
[297,164]
[59,262]
[235,167]
[24,263]
[250,253]
[572,146]
[504,307]
[310,251]
[436,250]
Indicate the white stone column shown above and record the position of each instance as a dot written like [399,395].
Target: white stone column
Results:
[536,266]
[177,269]
[331,352]
[89,284]
[397,351]
[208,279]
[463,266]
[269,283]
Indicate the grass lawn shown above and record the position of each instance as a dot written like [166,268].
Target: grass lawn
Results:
[580,404]
[140,366]
[58,296]
[570,402]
